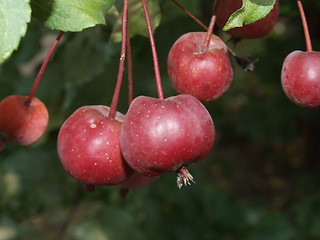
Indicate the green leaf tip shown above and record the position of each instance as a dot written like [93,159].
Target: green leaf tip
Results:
[14,18]
[250,12]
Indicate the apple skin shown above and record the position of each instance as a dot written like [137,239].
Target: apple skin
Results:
[22,124]
[193,42]
[161,136]
[300,78]
[203,73]
[88,146]
[258,29]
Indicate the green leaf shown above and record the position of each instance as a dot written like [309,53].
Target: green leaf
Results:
[14,17]
[272,226]
[71,15]
[83,66]
[137,22]
[250,12]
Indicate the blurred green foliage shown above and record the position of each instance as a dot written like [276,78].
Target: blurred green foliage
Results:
[261,181]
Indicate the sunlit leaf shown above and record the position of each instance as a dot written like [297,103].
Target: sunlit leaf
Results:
[14,17]
[250,12]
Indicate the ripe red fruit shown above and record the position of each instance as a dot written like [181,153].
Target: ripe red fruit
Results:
[203,72]
[300,78]
[88,146]
[161,136]
[258,29]
[20,123]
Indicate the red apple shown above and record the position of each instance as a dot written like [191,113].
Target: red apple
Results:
[20,123]
[88,146]
[161,136]
[300,78]
[203,72]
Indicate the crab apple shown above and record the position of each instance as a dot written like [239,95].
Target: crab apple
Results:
[20,123]
[203,72]
[88,146]
[160,136]
[258,29]
[300,78]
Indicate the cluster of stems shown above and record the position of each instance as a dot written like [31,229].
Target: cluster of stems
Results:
[126,50]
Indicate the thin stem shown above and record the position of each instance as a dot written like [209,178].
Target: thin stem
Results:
[116,94]
[190,15]
[129,64]
[214,7]
[305,27]
[42,69]
[233,53]
[154,51]
[206,43]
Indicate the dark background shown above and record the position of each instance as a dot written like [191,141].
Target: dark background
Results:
[260,182]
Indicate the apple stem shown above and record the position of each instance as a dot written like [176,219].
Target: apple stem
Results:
[42,69]
[206,43]
[211,26]
[201,23]
[214,7]
[154,51]
[116,94]
[129,65]
[305,27]
[190,15]
[184,177]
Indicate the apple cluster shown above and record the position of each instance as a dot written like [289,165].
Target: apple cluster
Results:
[154,137]
[99,146]
[157,135]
